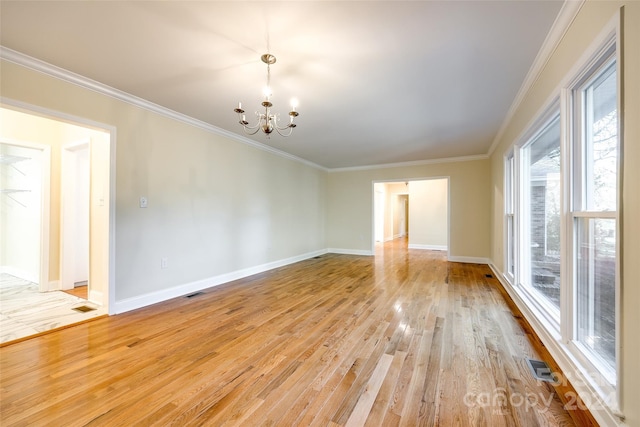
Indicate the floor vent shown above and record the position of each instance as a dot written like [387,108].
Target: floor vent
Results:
[195,294]
[489,276]
[317,257]
[541,371]
[83,308]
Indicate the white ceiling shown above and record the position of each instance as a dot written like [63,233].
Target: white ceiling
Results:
[378,82]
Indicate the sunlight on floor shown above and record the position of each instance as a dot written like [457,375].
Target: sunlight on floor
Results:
[25,311]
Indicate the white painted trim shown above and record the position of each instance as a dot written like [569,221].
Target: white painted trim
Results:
[563,21]
[67,162]
[414,163]
[86,83]
[569,365]
[111,294]
[469,259]
[428,247]
[360,252]
[134,303]
[19,273]
[54,285]
[96,297]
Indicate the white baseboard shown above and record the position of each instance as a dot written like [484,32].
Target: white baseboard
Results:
[134,303]
[561,354]
[350,251]
[469,259]
[54,285]
[96,297]
[428,247]
[19,273]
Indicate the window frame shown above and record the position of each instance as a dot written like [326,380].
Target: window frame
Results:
[544,310]
[510,216]
[606,381]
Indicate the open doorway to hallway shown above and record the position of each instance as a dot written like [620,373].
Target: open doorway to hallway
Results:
[55,230]
[416,210]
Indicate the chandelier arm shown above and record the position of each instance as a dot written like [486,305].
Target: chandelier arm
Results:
[256,126]
[283,134]
[288,126]
[251,133]
[246,126]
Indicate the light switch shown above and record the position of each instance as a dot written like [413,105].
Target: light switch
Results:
[143,202]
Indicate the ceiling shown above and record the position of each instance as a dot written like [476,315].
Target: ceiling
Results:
[378,82]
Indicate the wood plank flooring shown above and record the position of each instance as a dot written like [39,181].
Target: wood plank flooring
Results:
[80,292]
[404,338]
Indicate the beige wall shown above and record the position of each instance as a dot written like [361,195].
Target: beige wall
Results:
[590,21]
[216,206]
[349,205]
[428,211]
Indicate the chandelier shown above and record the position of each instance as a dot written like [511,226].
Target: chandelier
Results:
[267,122]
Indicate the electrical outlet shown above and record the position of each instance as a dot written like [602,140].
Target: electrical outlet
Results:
[164,262]
[143,202]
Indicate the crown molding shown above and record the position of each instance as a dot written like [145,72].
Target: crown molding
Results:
[565,18]
[412,163]
[38,65]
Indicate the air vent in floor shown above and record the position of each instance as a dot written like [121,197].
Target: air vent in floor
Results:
[83,308]
[541,371]
[195,294]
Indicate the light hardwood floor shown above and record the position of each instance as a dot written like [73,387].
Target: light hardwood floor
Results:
[402,338]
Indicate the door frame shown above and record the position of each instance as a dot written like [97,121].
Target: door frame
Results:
[68,163]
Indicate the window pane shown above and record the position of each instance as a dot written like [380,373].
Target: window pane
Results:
[510,245]
[601,137]
[596,286]
[543,213]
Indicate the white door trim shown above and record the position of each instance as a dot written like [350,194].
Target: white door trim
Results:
[68,196]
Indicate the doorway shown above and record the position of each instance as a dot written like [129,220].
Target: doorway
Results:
[415,209]
[77,238]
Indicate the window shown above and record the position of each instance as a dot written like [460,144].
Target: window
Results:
[561,196]
[594,215]
[509,209]
[540,239]
[561,220]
